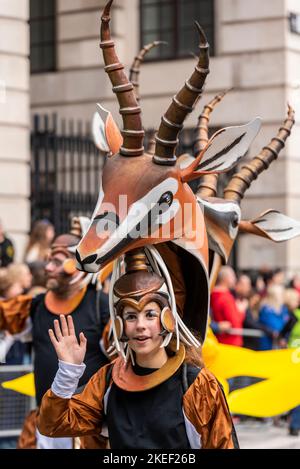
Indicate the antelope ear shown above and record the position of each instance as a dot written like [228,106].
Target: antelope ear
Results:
[106,134]
[272,225]
[223,151]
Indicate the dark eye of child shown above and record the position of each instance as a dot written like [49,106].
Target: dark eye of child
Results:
[152,313]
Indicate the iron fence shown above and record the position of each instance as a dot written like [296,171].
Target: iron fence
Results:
[65,171]
[14,406]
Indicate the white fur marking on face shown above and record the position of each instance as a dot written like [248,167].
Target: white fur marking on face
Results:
[137,212]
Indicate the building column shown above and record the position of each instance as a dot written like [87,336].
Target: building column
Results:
[15,121]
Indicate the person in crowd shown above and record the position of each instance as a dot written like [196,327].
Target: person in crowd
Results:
[278,277]
[290,337]
[272,277]
[67,293]
[7,250]
[39,243]
[9,285]
[39,278]
[295,283]
[242,293]
[156,375]
[21,274]
[12,350]
[291,301]
[224,307]
[273,314]
[252,322]
[259,285]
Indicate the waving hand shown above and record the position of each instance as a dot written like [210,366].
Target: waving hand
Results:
[65,341]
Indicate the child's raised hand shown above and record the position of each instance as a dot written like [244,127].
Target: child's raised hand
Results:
[65,341]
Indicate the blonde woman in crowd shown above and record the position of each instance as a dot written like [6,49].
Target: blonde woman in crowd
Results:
[9,286]
[11,349]
[39,242]
[20,274]
[273,314]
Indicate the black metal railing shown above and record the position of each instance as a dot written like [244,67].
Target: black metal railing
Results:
[65,171]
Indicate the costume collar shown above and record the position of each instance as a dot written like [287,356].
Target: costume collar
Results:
[125,378]
[63,306]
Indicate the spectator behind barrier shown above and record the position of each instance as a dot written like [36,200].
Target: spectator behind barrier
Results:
[273,314]
[39,242]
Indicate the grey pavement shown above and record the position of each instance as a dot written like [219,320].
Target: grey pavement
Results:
[257,435]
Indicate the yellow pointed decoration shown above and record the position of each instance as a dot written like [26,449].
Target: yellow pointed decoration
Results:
[280,370]
[22,385]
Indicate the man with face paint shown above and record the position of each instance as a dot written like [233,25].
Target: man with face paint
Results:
[68,293]
[156,394]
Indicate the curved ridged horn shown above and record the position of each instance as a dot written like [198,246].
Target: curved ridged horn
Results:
[133,133]
[209,182]
[135,68]
[201,131]
[151,143]
[241,181]
[182,104]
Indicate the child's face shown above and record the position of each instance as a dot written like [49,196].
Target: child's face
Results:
[143,328]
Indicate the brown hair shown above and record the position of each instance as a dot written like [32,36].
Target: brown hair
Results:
[7,280]
[193,355]
[38,237]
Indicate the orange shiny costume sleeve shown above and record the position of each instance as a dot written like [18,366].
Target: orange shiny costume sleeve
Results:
[206,408]
[81,415]
[14,312]
[106,335]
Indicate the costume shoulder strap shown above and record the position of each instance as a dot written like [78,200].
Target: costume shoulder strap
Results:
[108,378]
[189,373]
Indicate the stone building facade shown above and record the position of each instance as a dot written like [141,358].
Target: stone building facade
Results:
[14,120]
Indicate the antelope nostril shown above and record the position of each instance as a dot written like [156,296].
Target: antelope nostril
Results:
[90,259]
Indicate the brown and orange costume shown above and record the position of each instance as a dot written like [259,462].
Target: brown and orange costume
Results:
[177,406]
[207,419]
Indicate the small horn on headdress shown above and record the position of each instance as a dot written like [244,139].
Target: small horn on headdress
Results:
[242,180]
[135,68]
[208,183]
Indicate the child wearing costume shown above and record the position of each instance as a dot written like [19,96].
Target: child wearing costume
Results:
[156,394]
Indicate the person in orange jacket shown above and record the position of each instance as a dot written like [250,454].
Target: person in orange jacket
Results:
[156,394]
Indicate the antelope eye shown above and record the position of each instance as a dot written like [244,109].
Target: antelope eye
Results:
[166,198]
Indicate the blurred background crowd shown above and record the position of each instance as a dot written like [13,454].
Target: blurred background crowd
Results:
[258,309]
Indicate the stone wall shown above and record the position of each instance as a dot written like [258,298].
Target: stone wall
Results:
[14,120]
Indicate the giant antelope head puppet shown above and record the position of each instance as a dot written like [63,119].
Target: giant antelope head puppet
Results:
[145,199]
